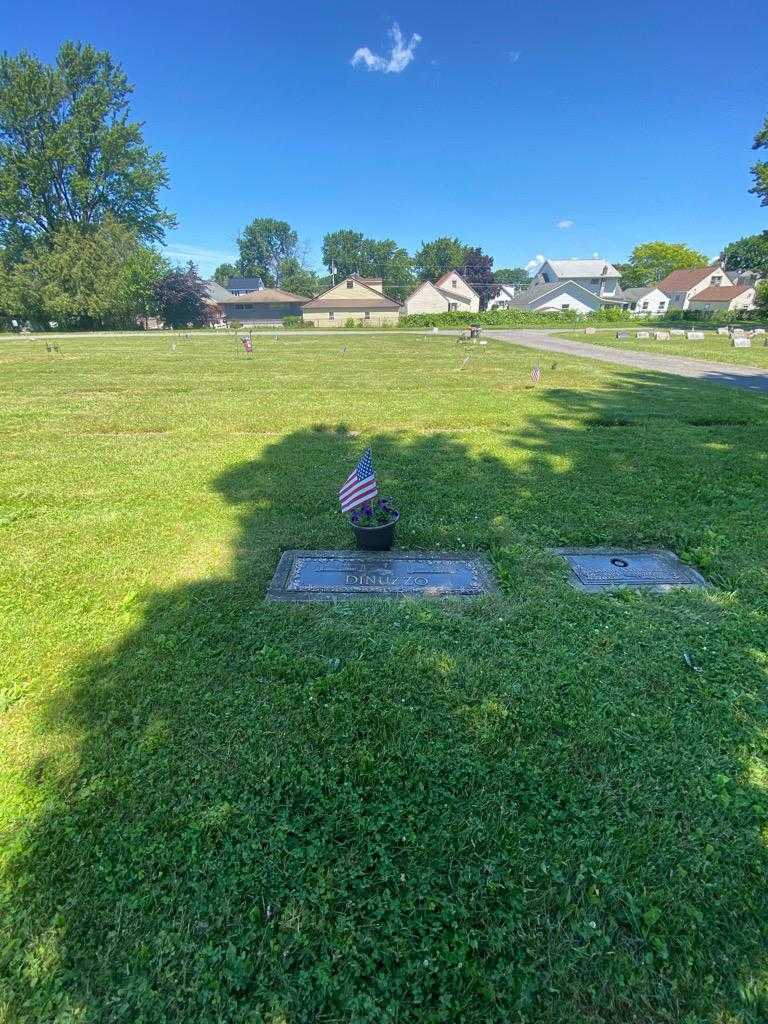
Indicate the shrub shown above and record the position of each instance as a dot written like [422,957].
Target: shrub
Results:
[292,321]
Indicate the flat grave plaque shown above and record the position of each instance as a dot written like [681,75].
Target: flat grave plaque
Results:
[346,575]
[595,570]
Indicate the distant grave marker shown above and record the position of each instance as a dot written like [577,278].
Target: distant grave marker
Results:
[661,335]
[695,335]
[595,570]
[643,334]
[741,341]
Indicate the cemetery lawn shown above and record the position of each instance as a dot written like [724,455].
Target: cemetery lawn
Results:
[715,347]
[527,807]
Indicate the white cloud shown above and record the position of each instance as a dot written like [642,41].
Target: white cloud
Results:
[566,223]
[595,255]
[514,56]
[400,56]
[532,266]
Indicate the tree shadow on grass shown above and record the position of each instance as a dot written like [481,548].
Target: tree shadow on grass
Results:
[522,807]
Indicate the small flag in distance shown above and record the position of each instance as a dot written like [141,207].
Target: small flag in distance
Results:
[360,486]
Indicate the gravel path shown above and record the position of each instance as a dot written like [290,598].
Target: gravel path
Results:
[750,377]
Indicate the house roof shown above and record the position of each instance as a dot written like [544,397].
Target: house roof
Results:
[684,280]
[537,291]
[640,293]
[216,293]
[568,269]
[454,273]
[251,283]
[266,295]
[723,292]
[325,300]
[454,296]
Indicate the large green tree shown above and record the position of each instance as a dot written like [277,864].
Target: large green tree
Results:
[297,278]
[652,261]
[97,276]
[342,252]
[512,275]
[350,252]
[760,169]
[69,153]
[437,257]
[749,253]
[264,245]
[223,272]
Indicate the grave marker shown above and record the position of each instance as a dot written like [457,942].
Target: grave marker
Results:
[643,334]
[303,576]
[741,341]
[595,570]
[694,335]
[661,335]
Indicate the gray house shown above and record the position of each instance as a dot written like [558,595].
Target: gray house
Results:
[265,306]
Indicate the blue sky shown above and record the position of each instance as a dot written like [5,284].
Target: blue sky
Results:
[622,123]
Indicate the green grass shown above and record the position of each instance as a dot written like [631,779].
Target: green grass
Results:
[521,808]
[714,346]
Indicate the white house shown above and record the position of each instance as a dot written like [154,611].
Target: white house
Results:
[722,298]
[683,285]
[448,294]
[648,301]
[560,295]
[504,299]
[595,275]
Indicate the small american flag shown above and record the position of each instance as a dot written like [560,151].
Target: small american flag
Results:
[536,374]
[360,486]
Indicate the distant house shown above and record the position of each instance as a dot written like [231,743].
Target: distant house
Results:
[355,298]
[216,295]
[449,294]
[594,275]
[723,298]
[648,301]
[562,295]
[244,285]
[504,299]
[265,306]
[681,286]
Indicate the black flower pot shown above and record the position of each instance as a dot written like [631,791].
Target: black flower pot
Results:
[375,538]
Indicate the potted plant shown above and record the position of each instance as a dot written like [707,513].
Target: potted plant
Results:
[374,524]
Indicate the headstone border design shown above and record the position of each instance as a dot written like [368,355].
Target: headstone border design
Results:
[484,581]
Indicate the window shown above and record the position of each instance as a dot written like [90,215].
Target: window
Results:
[565,305]
[350,284]
[645,305]
[452,307]
[366,316]
[454,282]
[662,304]
[717,280]
[331,315]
